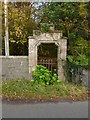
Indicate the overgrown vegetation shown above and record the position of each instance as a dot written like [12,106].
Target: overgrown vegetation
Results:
[44,87]
[43,76]
[30,90]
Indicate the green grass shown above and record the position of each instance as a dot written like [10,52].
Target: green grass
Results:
[26,89]
[0,88]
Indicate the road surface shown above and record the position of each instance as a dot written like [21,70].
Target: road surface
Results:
[46,110]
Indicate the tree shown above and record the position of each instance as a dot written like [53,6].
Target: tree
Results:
[72,19]
[21,23]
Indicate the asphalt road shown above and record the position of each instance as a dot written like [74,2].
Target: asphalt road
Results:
[46,110]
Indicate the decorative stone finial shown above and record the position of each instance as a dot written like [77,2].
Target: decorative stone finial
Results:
[51,26]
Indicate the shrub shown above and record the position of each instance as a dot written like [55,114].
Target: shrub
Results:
[44,76]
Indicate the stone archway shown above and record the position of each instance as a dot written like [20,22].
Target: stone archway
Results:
[36,40]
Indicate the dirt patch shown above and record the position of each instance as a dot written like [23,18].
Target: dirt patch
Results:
[41,100]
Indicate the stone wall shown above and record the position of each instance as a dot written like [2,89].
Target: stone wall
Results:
[14,67]
[17,67]
[86,77]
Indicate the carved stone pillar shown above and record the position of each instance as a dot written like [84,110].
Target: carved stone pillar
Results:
[32,55]
[62,52]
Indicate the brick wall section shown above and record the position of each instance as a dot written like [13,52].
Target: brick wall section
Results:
[15,67]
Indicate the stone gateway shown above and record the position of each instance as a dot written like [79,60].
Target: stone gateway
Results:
[58,40]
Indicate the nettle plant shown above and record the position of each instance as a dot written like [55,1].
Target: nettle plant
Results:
[44,76]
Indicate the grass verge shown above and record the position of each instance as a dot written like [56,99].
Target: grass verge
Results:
[28,90]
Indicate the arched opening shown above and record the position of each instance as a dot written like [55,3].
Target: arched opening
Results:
[47,55]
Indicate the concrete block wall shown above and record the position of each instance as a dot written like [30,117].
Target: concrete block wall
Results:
[15,67]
